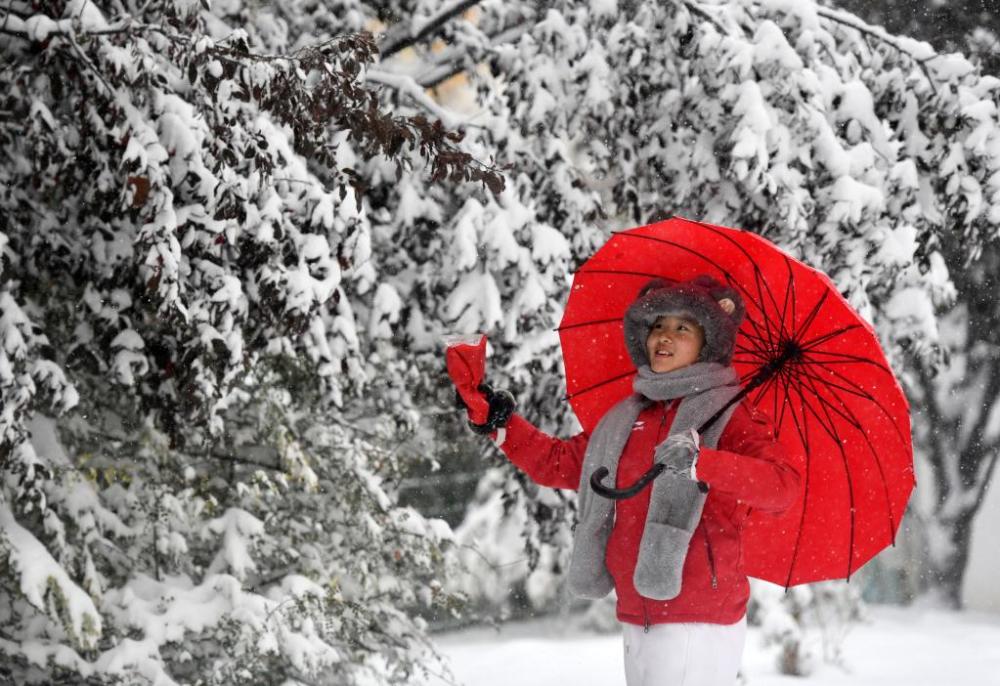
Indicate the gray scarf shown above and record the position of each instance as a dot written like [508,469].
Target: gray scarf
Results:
[675,503]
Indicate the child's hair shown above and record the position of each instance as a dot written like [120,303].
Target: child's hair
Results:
[702,299]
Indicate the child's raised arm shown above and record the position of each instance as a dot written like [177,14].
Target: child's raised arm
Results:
[549,461]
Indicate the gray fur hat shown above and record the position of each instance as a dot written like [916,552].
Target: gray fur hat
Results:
[698,299]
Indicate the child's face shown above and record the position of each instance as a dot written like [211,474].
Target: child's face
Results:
[673,342]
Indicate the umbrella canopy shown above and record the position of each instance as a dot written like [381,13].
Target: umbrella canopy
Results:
[835,402]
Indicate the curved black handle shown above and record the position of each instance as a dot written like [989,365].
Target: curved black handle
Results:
[622,493]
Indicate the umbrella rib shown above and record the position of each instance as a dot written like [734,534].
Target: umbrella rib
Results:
[811,317]
[847,468]
[765,387]
[848,415]
[752,358]
[827,382]
[766,327]
[804,440]
[761,341]
[868,396]
[595,322]
[823,338]
[830,428]
[599,384]
[748,349]
[760,348]
[757,272]
[845,358]
[630,234]
[789,296]
[761,333]
[844,411]
[625,273]
[791,276]
[762,391]
[765,330]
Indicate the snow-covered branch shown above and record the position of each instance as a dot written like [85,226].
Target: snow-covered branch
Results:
[404,34]
[920,51]
[408,86]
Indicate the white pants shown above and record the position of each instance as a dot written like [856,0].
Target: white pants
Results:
[684,654]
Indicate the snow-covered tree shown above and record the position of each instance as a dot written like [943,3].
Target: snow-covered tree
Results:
[185,494]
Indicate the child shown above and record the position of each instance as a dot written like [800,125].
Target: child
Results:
[672,553]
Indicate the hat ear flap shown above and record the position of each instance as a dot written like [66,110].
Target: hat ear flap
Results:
[723,294]
[732,304]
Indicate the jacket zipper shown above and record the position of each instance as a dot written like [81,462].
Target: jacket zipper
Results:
[711,559]
[645,616]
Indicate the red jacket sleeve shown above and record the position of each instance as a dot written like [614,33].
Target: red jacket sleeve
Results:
[750,464]
[548,461]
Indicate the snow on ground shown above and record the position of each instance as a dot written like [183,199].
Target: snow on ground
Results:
[896,647]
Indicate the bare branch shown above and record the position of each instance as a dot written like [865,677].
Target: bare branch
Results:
[447,63]
[401,39]
[90,65]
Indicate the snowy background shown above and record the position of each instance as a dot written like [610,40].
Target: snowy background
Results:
[234,234]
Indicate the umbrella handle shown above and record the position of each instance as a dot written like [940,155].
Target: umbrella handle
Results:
[622,493]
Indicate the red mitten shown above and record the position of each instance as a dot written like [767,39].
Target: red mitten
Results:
[466,362]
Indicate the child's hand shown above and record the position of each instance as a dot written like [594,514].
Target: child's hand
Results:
[500,404]
[678,453]
[488,410]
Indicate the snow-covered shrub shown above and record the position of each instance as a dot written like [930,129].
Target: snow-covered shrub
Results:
[806,624]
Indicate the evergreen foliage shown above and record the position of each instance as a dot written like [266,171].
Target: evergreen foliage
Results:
[227,281]
[184,238]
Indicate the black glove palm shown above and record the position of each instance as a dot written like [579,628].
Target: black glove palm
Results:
[502,406]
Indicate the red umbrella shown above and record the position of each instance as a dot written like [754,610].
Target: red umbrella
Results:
[826,385]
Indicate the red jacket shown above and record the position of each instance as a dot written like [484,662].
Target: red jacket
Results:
[747,471]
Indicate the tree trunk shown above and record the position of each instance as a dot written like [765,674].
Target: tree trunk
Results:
[952,420]
[948,570]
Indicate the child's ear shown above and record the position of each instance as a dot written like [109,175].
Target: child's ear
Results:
[727,305]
